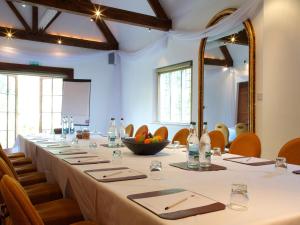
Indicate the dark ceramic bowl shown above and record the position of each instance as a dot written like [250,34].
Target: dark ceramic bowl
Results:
[144,149]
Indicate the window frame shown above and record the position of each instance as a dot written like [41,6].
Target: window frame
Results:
[169,69]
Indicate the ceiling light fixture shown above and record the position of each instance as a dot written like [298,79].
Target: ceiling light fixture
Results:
[91,19]
[9,34]
[232,39]
[59,41]
[97,13]
[23,5]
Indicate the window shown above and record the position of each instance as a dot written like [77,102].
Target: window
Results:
[28,104]
[174,93]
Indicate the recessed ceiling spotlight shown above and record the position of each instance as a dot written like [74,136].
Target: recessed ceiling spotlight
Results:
[59,41]
[23,5]
[9,34]
[98,13]
[232,39]
[91,19]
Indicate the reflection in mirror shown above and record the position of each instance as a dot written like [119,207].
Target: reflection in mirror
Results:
[226,83]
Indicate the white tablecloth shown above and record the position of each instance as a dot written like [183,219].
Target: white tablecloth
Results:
[274,197]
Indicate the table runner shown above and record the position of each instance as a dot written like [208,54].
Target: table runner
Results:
[274,198]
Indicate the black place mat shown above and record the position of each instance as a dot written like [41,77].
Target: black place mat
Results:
[183,165]
[217,206]
[267,162]
[135,177]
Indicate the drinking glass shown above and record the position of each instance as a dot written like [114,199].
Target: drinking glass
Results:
[176,144]
[239,197]
[156,170]
[281,164]
[117,157]
[93,145]
[216,153]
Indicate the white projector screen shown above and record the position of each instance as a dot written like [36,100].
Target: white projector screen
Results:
[76,100]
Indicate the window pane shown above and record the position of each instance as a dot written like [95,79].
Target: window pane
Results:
[46,121]
[164,96]
[3,139]
[11,139]
[12,85]
[57,86]
[3,103]
[47,104]
[11,121]
[47,86]
[57,101]
[11,103]
[3,121]
[176,96]
[56,120]
[3,84]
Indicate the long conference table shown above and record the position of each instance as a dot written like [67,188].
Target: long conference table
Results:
[274,198]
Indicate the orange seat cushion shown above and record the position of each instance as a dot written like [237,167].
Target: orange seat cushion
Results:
[16,155]
[32,178]
[181,136]
[84,223]
[28,168]
[246,144]
[217,139]
[21,161]
[291,151]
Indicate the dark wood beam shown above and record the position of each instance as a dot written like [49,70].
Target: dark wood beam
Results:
[158,9]
[51,21]
[227,56]
[35,19]
[69,72]
[107,13]
[241,38]
[19,16]
[215,62]
[110,38]
[53,39]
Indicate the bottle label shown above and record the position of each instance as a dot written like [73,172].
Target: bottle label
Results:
[194,152]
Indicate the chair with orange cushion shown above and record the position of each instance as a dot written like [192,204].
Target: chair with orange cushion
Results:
[162,132]
[247,144]
[241,128]
[217,139]
[38,193]
[181,136]
[142,130]
[23,212]
[224,129]
[17,159]
[129,130]
[291,151]
[21,169]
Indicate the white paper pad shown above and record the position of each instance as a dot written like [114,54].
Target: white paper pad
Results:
[85,160]
[248,160]
[68,152]
[172,146]
[98,175]
[158,204]
[57,146]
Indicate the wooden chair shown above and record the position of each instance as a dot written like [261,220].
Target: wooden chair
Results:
[142,130]
[129,130]
[224,129]
[291,151]
[217,139]
[22,212]
[38,193]
[162,132]
[247,144]
[241,128]
[17,159]
[181,136]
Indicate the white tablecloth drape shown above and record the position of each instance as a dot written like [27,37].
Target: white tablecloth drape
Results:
[274,197]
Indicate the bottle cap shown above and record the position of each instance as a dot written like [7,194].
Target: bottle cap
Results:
[204,123]
[112,118]
[122,118]
[193,123]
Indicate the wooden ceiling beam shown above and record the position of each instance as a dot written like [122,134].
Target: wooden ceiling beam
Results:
[241,38]
[51,21]
[227,56]
[215,62]
[53,39]
[110,38]
[107,13]
[19,16]
[35,19]
[158,9]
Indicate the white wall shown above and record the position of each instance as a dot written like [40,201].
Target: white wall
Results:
[105,91]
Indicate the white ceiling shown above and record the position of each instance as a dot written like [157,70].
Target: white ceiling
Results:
[188,15]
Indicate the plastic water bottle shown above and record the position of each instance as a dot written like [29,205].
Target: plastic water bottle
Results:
[193,148]
[112,133]
[205,148]
[122,131]
[65,126]
[71,125]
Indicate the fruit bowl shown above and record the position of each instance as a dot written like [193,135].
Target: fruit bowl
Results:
[144,149]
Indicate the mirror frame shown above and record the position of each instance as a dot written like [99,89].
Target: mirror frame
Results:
[251,40]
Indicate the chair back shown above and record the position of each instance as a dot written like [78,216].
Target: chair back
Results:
[20,208]
[142,130]
[8,162]
[247,144]
[129,130]
[291,151]
[241,128]
[224,129]
[217,139]
[181,136]
[5,170]
[162,132]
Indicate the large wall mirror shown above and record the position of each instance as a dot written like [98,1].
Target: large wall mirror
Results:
[227,80]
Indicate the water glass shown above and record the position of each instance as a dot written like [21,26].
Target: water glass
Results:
[117,157]
[239,197]
[216,152]
[176,144]
[156,170]
[281,164]
[93,145]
